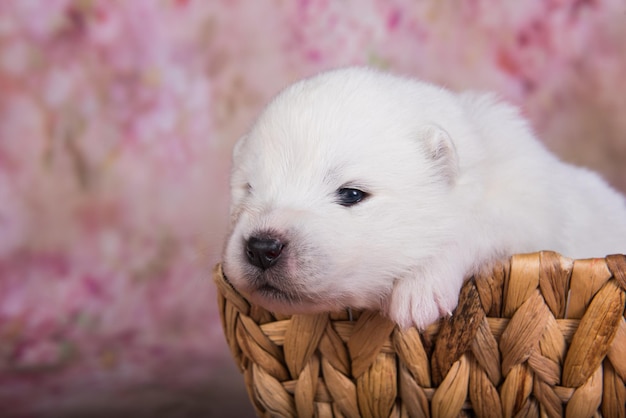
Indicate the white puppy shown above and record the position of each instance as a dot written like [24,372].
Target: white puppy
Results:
[356,188]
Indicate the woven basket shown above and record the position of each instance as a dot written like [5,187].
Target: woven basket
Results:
[541,335]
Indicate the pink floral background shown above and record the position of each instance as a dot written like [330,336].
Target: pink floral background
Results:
[116,124]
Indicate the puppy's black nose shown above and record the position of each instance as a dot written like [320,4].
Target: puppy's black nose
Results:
[263,252]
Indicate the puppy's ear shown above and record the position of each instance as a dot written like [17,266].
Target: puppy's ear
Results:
[440,149]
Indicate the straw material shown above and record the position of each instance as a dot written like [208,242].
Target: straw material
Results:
[541,335]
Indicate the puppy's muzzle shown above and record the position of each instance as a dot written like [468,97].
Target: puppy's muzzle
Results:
[263,252]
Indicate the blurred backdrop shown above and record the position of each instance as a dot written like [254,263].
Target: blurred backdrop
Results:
[116,123]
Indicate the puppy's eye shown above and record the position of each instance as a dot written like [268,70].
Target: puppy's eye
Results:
[349,197]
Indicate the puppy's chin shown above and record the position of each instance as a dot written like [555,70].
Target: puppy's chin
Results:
[265,292]
[285,302]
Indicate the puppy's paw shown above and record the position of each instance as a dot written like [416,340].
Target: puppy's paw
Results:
[416,302]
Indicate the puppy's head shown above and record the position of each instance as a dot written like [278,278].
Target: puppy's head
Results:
[339,187]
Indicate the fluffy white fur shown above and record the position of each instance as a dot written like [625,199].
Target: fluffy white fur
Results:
[454,181]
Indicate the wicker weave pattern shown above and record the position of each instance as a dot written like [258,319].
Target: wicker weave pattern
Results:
[539,336]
